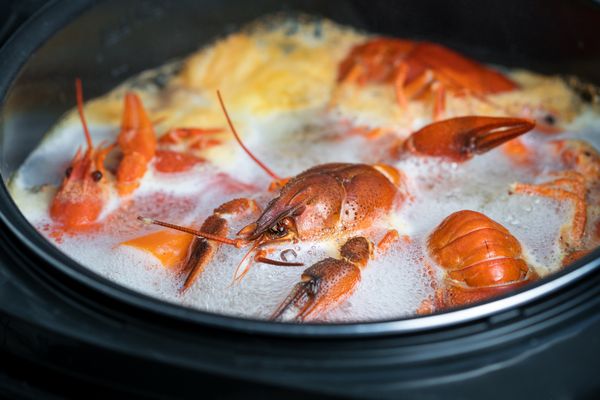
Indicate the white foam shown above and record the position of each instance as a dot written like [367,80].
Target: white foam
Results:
[392,286]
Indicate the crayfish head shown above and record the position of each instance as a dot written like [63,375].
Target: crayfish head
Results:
[283,229]
[307,207]
[81,195]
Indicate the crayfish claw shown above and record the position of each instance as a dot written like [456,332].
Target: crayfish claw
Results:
[201,251]
[459,139]
[300,298]
[323,286]
[137,141]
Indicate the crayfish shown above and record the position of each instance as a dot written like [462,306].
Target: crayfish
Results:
[337,200]
[86,187]
[416,69]
[579,176]
[429,72]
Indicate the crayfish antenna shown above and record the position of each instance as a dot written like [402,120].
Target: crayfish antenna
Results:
[79,95]
[233,242]
[277,263]
[239,140]
[459,139]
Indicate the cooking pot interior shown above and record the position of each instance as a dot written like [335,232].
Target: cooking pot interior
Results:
[107,42]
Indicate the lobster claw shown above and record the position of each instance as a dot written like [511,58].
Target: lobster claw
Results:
[459,139]
[323,286]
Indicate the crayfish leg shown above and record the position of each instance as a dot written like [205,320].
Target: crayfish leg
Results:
[390,237]
[562,189]
[439,102]
[399,81]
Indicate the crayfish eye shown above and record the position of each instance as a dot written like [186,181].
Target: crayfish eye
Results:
[96,176]
[278,230]
[282,228]
[550,119]
[68,172]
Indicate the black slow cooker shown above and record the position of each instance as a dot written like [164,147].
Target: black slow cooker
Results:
[65,331]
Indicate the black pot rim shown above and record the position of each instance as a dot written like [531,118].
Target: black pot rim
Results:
[14,55]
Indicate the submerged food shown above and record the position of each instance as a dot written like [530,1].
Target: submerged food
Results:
[314,185]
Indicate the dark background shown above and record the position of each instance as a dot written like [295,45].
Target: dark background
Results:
[14,12]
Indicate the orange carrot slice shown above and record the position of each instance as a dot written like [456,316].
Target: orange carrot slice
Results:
[169,247]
